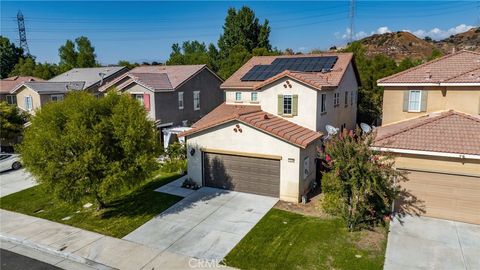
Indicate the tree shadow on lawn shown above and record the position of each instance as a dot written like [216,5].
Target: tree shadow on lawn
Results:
[143,201]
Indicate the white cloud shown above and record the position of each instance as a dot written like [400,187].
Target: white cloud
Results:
[437,33]
[383,30]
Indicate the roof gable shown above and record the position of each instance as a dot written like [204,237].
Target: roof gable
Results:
[9,84]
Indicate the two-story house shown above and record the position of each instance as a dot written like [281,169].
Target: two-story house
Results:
[431,123]
[264,138]
[31,95]
[173,95]
[8,84]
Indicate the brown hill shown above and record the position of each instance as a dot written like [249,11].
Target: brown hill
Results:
[400,45]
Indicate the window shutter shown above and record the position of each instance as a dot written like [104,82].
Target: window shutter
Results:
[423,106]
[280,104]
[146,101]
[295,105]
[405,100]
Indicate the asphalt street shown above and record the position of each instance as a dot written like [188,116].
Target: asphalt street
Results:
[14,261]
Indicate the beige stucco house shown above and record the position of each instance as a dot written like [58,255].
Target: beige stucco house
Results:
[265,137]
[431,123]
[7,85]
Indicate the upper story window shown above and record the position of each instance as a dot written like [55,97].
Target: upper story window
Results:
[238,96]
[180,100]
[287,104]
[414,100]
[323,105]
[196,100]
[336,99]
[139,97]
[28,103]
[12,99]
[346,98]
[254,97]
[56,97]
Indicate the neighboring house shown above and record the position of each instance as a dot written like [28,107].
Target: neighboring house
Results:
[172,95]
[8,84]
[93,78]
[33,95]
[264,139]
[431,123]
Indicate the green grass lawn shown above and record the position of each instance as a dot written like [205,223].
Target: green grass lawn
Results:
[285,240]
[121,217]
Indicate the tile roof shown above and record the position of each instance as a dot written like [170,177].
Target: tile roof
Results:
[449,132]
[90,76]
[8,84]
[47,87]
[315,79]
[460,67]
[156,78]
[255,117]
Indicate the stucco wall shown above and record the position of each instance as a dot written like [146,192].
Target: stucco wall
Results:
[438,164]
[311,152]
[250,140]
[462,99]
[136,89]
[24,92]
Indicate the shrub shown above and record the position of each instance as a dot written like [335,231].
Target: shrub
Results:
[359,185]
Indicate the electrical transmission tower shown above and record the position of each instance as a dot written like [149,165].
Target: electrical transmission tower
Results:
[351,16]
[22,33]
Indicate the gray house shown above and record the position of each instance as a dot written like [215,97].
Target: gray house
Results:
[172,95]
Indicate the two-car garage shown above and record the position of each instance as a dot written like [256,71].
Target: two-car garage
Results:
[242,173]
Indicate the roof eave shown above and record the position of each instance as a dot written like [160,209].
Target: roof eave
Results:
[429,84]
[426,153]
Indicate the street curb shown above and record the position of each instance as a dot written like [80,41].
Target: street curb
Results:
[52,251]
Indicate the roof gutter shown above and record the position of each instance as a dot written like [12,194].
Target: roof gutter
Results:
[429,84]
[426,153]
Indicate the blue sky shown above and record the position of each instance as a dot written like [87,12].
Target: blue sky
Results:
[145,31]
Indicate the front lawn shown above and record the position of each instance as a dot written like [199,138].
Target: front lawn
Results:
[120,218]
[285,240]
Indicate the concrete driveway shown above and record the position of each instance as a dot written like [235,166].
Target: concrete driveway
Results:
[206,224]
[12,181]
[429,243]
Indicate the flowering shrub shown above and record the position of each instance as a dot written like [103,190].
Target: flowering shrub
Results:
[358,184]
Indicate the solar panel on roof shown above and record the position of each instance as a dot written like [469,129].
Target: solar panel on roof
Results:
[303,64]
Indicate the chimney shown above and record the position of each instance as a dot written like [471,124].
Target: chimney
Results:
[453,50]
[102,75]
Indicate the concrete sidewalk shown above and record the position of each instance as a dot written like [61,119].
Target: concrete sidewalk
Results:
[89,248]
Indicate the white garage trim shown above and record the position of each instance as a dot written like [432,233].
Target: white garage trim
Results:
[244,154]
[426,153]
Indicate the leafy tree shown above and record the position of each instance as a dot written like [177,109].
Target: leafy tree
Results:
[9,56]
[435,54]
[88,148]
[12,120]
[127,64]
[78,54]
[28,67]
[193,53]
[359,185]
[237,57]
[408,63]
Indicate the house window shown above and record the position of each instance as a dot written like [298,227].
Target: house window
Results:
[351,98]
[56,97]
[180,100]
[287,104]
[254,97]
[306,167]
[346,98]
[238,96]
[28,103]
[336,99]
[11,99]
[139,97]
[324,103]
[196,100]
[414,100]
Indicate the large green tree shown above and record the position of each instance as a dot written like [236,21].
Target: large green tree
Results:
[29,67]
[89,148]
[9,56]
[359,186]
[193,53]
[12,120]
[78,54]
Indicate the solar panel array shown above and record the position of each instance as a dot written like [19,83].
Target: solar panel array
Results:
[303,64]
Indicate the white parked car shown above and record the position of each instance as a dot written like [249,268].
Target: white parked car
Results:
[9,161]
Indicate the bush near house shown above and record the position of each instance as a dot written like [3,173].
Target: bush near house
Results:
[175,158]
[359,185]
[89,148]
[12,120]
